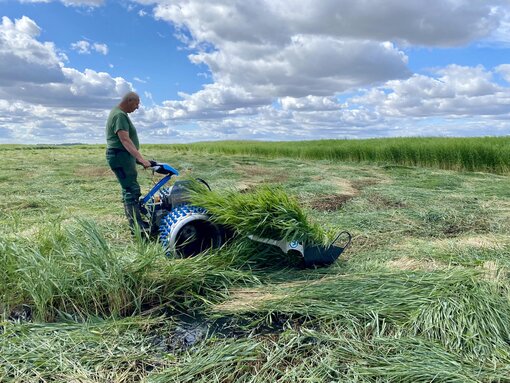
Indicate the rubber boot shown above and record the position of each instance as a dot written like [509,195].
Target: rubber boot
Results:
[135,218]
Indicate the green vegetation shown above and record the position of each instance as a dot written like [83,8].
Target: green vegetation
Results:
[267,212]
[74,272]
[96,351]
[487,154]
[422,294]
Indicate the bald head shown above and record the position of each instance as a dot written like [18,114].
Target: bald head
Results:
[131,96]
[129,102]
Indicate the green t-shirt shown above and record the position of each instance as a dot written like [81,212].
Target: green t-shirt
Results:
[119,120]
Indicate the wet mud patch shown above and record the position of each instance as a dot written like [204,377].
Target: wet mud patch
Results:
[188,331]
[185,335]
[20,313]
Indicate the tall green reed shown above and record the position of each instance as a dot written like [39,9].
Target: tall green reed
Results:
[487,154]
[72,270]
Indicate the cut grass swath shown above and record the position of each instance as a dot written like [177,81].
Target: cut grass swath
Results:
[456,308]
[267,212]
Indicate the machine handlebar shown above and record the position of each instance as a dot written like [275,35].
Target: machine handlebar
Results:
[163,168]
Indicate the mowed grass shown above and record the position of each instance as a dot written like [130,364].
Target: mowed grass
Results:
[421,295]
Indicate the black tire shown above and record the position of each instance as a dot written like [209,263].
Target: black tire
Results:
[188,230]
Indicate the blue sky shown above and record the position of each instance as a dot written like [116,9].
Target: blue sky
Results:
[140,48]
[267,70]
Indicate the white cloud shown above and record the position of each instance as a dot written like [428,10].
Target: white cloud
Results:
[271,50]
[148,96]
[281,49]
[101,48]
[305,53]
[85,47]
[502,33]
[29,123]
[37,90]
[307,65]
[313,103]
[82,47]
[23,58]
[455,100]
[455,91]
[214,101]
[436,23]
[504,70]
[31,71]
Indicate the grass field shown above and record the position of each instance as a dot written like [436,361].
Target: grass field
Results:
[421,295]
[487,154]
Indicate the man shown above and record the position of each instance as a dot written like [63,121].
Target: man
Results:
[122,154]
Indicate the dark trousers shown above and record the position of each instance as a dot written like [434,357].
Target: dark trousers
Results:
[123,165]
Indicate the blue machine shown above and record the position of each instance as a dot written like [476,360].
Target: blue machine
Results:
[186,230]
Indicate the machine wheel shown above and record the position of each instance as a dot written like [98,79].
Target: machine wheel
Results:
[188,230]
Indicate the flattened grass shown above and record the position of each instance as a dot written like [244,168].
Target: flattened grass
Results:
[118,351]
[456,308]
[333,354]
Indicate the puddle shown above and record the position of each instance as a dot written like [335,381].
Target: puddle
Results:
[191,331]
[20,313]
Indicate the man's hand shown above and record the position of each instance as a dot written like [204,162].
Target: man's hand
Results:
[146,164]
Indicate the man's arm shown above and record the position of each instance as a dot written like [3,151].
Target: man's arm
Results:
[131,148]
